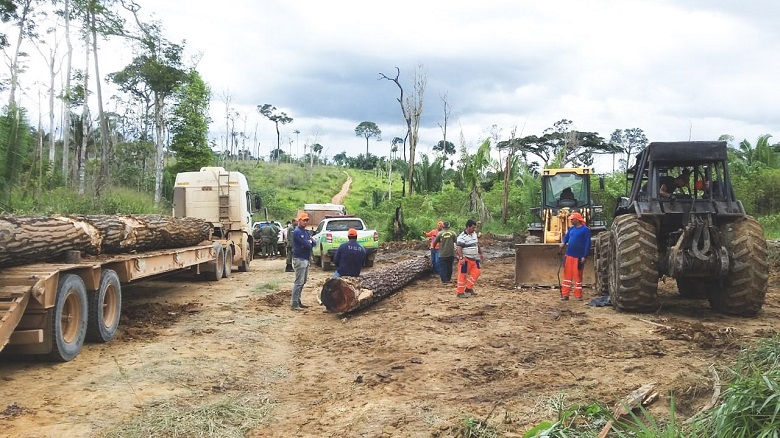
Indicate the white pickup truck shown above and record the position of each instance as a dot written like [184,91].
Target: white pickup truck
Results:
[332,232]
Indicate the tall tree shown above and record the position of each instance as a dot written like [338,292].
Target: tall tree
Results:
[561,145]
[190,124]
[269,112]
[368,130]
[160,68]
[627,141]
[473,168]
[22,13]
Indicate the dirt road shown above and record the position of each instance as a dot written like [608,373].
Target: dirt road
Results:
[415,364]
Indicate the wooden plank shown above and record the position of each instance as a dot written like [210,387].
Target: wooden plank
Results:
[11,292]
[10,319]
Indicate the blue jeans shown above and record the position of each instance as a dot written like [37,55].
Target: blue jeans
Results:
[301,267]
[435,260]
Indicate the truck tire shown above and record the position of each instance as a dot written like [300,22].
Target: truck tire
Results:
[68,324]
[244,265]
[696,287]
[744,289]
[228,268]
[219,264]
[105,308]
[369,261]
[326,264]
[601,258]
[633,271]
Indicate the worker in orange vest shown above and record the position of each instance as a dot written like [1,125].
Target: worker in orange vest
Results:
[435,246]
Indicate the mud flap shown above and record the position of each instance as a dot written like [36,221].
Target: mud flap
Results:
[540,265]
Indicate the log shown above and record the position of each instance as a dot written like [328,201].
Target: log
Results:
[35,239]
[641,396]
[347,294]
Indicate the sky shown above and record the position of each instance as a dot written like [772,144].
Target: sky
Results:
[679,70]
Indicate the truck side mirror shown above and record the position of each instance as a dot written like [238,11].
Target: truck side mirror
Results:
[258,202]
[601,182]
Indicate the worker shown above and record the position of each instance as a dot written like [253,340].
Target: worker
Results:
[669,184]
[349,257]
[290,229]
[434,246]
[303,242]
[268,239]
[469,258]
[578,240]
[446,242]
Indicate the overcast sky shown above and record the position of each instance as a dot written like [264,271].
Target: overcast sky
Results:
[676,69]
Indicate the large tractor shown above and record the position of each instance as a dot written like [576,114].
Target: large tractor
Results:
[691,229]
[564,191]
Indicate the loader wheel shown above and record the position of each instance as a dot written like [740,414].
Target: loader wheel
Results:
[744,290]
[68,319]
[633,273]
[105,308]
[601,258]
[228,268]
[696,288]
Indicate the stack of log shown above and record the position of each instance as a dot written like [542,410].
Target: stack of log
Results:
[347,294]
[34,239]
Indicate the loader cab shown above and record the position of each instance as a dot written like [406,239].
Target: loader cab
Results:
[565,189]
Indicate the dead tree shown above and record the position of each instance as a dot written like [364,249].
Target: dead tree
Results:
[36,239]
[347,294]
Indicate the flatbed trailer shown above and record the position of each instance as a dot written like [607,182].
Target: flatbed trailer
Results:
[51,309]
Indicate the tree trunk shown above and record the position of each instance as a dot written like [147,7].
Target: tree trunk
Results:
[67,100]
[35,239]
[103,175]
[347,294]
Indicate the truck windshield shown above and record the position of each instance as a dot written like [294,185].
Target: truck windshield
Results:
[566,190]
[344,225]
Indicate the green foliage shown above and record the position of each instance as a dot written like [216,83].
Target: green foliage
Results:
[16,139]
[190,125]
[66,201]
[751,403]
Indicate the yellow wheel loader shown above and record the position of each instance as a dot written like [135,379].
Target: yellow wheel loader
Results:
[564,191]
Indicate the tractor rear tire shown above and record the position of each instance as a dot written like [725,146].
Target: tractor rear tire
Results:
[601,257]
[744,290]
[633,271]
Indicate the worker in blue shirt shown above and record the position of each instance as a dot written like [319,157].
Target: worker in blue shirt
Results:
[578,240]
[350,257]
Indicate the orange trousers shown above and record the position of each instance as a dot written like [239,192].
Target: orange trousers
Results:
[572,274]
[468,273]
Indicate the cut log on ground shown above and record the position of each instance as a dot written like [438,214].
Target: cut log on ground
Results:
[641,396]
[36,239]
[347,294]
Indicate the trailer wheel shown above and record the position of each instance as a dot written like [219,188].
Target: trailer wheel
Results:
[633,273]
[68,325]
[601,257]
[744,289]
[105,308]
[219,264]
[227,269]
[696,288]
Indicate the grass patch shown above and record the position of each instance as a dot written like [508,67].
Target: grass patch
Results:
[266,288]
[230,416]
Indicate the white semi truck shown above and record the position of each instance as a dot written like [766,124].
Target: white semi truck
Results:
[51,308]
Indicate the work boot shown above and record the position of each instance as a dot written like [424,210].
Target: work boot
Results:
[301,305]
[289,268]
[564,298]
[471,291]
[296,307]
[463,295]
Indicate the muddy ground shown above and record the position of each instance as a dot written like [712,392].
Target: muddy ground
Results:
[414,364]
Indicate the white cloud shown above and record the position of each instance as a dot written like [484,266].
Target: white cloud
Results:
[673,68]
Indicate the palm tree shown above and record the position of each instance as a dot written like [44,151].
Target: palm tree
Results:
[473,168]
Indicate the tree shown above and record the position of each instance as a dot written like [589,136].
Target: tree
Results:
[627,141]
[473,167]
[190,124]
[411,108]
[269,112]
[160,68]
[22,12]
[368,130]
[561,145]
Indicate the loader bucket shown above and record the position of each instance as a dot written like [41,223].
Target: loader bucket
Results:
[539,265]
